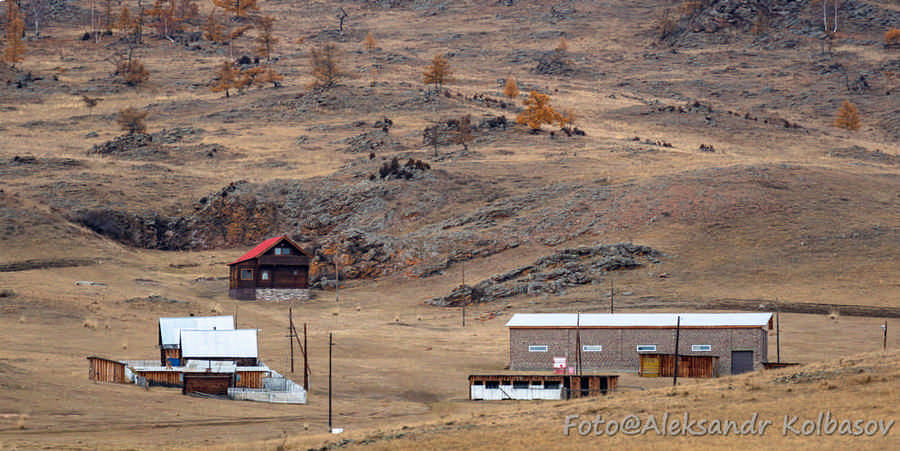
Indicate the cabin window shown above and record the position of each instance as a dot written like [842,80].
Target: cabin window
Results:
[264,275]
[592,348]
[537,348]
[551,384]
[282,251]
[520,384]
[491,384]
[701,348]
[646,348]
[246,274]
[478,383]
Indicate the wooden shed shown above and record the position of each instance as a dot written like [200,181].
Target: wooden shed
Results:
[207,383]
[251,377]
[275,264]
[106,370]
[161,376]
[539,385]
[663,365]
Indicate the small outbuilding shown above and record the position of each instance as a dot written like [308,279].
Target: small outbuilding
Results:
[276,269]
[170,333]
[524,385]
[106,370]
[710,343]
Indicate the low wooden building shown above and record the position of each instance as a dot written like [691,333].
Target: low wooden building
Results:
[663,365]
[276,268]
[207,383]
[539,385]
[106,370]
[251,376]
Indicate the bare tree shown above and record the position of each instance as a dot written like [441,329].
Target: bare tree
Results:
[340,17]
[39,13]
[834,22]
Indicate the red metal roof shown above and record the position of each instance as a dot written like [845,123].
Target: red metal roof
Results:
[260,249]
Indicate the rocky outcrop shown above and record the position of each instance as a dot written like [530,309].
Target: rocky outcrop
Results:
[552,274]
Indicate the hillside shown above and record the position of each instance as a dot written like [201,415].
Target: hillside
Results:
[703,153]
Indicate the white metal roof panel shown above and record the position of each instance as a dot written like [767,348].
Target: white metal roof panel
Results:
[212,366]
[639,319]
[239,343]
[170,328]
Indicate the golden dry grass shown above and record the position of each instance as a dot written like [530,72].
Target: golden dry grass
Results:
[399,362]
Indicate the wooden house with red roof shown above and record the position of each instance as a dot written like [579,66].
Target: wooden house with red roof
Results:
[276,269]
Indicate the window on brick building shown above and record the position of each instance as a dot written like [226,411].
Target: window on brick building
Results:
[537,348]
[701,348]
[592,348]
[646,348]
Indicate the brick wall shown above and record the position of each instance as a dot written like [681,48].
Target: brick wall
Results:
[620,346]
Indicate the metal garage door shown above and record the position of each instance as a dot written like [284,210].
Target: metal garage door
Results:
[741,362]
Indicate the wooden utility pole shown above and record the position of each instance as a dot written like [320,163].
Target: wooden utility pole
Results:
[464,314]
[612,292]
[291,332]
[330,345]
[578,345]
[777,332]
[677,333]
[305,362]
[884,337]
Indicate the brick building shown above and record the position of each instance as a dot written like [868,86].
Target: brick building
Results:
[616,341]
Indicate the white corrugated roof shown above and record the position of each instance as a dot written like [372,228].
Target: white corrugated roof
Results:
[169,328]
[239,343]
[212,366]
[639,319]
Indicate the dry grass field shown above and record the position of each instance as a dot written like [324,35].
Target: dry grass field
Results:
[786,208]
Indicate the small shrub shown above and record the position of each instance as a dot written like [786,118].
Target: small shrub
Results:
[369,43]
[133,72]
[847,116]
[511,90]
[892,37]
[538,111]
[131,120]
[326,66]
[562,46]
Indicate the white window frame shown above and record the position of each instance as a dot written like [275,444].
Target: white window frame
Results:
[647,348]
[701,348]
[538,348]
[591,348]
